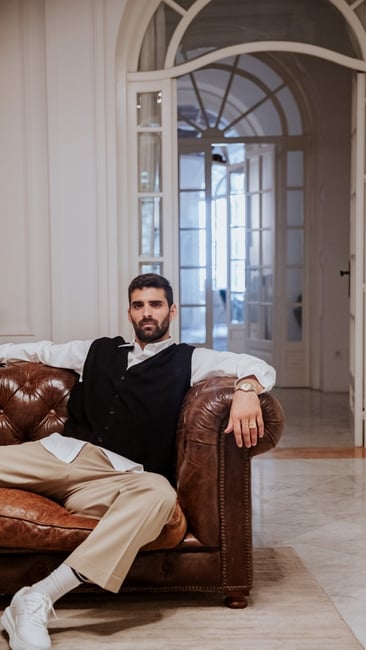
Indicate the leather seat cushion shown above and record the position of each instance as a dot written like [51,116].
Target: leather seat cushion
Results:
[30,521]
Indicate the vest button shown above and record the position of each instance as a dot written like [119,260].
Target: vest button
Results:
[106,428]
[100,439]
[111,412]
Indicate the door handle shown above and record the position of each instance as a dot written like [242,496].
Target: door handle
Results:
[348,272]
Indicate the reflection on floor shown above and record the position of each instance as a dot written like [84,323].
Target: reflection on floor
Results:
[310,493]
[315,419]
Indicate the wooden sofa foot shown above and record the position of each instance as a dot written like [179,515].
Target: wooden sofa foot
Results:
[236,601]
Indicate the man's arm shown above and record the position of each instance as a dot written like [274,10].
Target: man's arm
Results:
[207,363]
[245,418]
[70,355]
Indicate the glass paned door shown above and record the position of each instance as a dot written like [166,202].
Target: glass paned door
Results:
[194,233]
[260,249]
[236,254]
[212,245]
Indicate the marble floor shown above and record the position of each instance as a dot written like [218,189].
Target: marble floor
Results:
[310,494]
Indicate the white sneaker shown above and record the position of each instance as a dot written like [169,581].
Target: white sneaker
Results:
[25,620]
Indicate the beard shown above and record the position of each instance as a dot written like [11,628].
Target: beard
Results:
[149,330]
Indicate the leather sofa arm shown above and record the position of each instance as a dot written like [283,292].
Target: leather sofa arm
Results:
[208,461]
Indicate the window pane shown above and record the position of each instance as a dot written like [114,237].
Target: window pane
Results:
[156,267]
[192,171]
[192,210]
[295,168]
[219,181]
[253,175]
[316,22]
[149,162]
[237,276]
[237,243]
[237,182]
[267,293]
[192,289]
[253,288]
[267,210]
[254,250]
[267,247]
[193,324]
[294,126]
[294,324]
[254,212]
[237,206]
[294,285]
[150,226]
[237,308]
[267,114]
[253,320]
[193,248]
[295,208]
[149,109]
[294,246]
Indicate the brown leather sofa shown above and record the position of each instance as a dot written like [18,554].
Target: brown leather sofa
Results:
[207,546]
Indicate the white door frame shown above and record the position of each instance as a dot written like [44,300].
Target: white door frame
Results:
[357,262]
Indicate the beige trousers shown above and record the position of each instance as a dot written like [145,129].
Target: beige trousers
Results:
[132,508]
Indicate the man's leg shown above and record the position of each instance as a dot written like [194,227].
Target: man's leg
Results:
[29,466]
[132,509]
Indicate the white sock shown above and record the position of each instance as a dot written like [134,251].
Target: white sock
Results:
[58,583]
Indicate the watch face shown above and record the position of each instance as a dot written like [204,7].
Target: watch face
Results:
[246,387]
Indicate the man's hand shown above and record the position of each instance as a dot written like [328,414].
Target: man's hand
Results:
[245,419]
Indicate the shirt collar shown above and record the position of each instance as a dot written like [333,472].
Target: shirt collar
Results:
[150,348]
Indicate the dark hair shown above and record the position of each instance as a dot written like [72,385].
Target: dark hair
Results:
[151,280]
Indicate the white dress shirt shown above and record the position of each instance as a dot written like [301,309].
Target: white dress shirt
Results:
[72,355]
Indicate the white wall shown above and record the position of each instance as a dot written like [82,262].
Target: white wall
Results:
[58,208]
[24,175]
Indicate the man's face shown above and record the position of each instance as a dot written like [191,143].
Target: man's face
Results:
[150,315]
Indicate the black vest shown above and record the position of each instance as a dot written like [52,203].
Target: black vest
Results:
[133,412]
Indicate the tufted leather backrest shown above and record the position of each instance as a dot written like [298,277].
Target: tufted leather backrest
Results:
[33,401]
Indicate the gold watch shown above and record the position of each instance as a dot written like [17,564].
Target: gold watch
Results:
[245,386]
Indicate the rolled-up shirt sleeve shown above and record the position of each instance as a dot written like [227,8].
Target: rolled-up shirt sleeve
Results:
[206,363]
[70,355]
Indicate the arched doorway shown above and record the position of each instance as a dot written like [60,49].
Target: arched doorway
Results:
[241,148]
[155,64]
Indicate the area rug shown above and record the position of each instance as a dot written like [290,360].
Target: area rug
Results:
[288,610]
